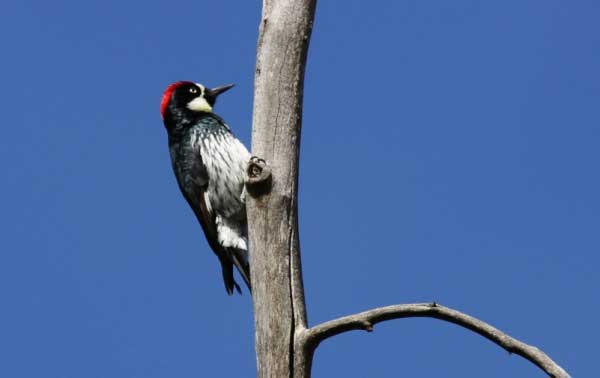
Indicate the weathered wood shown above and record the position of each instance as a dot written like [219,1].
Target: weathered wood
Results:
[366,320]
[277,291]
[284,343]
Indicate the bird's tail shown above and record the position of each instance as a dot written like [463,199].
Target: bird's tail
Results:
[230,284]
[228,280]
[239,258]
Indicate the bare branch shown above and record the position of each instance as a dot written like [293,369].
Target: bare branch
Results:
[367,319]
[284,344]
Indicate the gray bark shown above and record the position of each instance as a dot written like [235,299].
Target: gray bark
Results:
[273,215]
[367,319]
[284,343]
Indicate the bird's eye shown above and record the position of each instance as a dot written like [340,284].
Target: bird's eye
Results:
[193,90]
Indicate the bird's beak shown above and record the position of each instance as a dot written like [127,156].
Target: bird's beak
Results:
[214,92]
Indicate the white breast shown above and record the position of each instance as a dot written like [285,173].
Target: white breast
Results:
[225,159]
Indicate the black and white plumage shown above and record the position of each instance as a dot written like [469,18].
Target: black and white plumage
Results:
[210,167]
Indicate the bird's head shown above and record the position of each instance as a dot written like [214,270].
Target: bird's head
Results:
[184,97]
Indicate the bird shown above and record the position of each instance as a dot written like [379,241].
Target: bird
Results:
[209,163]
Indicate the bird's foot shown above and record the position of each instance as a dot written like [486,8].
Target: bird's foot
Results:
[259,177]
[255,166]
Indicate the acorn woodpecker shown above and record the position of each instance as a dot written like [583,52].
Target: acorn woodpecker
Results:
[210,167]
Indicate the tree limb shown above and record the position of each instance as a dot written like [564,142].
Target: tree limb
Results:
[367,319]
[272,204]
[284,344]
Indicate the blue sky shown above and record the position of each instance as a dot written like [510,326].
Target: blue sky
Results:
[450,153]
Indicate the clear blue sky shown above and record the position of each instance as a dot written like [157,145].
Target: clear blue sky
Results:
[450,152]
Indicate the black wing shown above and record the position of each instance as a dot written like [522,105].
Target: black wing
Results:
[193,183]
[207,220]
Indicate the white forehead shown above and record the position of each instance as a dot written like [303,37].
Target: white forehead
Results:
[201,88]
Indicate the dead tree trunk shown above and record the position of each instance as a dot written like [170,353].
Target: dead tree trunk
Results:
[273,217]
[284,343]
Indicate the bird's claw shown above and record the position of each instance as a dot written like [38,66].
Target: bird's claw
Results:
[257,160]
[259,176]
[256,167]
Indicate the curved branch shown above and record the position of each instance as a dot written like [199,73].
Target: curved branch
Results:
[367,319]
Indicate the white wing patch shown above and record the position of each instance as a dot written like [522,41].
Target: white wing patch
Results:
[230,235]
[207,202]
